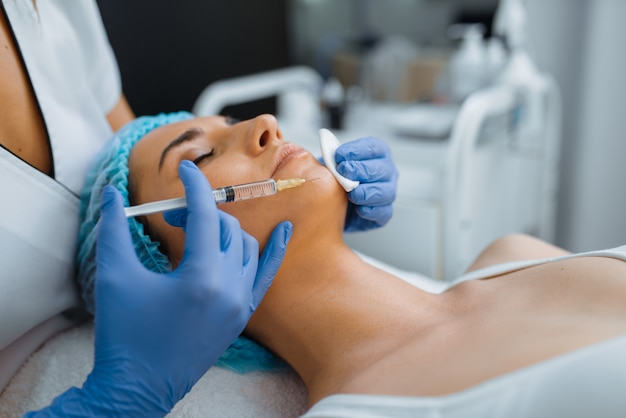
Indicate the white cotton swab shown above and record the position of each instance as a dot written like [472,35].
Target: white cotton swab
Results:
[329,144]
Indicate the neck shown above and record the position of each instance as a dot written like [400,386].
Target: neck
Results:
[328,313]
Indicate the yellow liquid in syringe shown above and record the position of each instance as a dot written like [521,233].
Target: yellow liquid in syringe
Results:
[253,190]
[222,195]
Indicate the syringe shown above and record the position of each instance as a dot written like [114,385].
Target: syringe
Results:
[222,195]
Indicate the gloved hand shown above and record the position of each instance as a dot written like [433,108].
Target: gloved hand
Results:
[368,160]
[157,334]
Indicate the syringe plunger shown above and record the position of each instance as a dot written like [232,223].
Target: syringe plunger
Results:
[222,195]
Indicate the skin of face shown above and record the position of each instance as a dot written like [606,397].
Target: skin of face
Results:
[230,153]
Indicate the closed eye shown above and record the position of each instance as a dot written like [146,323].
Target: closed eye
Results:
[198,160]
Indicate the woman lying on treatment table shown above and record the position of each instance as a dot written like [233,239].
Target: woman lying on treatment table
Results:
[541,339]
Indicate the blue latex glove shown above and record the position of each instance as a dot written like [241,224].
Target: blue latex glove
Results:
[157,334]
[368,160]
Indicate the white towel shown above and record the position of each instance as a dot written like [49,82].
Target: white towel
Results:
[66,359]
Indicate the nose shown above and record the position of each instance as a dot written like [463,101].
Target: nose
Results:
[263,131]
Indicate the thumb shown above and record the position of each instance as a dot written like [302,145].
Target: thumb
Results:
[176,217]
[114,242]
[270,262]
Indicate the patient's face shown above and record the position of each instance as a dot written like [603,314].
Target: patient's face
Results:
[233,153]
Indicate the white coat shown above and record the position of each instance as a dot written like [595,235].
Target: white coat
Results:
[76,81]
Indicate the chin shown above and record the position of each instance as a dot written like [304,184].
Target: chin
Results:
[319,201]
[323,196]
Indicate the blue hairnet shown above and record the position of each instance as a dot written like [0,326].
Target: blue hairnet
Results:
[111,167]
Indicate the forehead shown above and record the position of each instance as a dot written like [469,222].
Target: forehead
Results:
[154,142]
[166,133]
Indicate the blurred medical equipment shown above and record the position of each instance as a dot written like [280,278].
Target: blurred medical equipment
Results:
[333,102]
[382,75]
[226,194]
[297,90]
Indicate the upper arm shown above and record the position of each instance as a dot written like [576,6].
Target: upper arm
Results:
[121,114]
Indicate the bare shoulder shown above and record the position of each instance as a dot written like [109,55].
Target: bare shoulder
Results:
[518,320]
[515,247]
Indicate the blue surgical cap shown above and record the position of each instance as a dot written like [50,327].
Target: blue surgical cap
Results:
[111,167]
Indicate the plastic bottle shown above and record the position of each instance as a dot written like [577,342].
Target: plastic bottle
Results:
[467,68]
[520,71]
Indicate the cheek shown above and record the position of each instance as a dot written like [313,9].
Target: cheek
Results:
[320,202]
[228,172]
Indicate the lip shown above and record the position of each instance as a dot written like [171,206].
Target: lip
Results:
[286,153]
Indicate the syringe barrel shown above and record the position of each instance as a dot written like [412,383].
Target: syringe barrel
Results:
[245,191]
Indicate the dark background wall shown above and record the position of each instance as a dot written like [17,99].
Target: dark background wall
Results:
[168,51]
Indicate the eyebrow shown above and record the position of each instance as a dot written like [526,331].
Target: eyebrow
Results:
[188,135]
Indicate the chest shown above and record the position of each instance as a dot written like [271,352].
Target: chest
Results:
[21,125]
[523,318]
[59,81]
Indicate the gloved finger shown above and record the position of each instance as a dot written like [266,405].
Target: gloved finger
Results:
[202,224]
[368,171]
[362,149]
[380,215]
[249,266]
[250,253]
[113,240]
[231,238]
[176,217]
[270,262]
[373,194]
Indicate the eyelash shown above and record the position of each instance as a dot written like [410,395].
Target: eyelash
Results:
[230,121]
[198,160]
